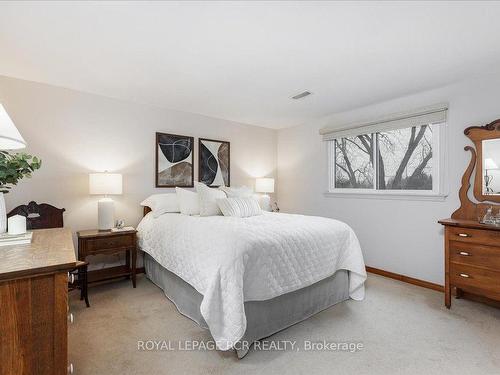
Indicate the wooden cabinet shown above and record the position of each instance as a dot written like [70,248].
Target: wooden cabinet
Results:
[34,304]
[472,259]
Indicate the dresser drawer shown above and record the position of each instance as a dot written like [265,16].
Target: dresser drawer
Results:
[100,244]
[475,255]
[484,237]
[476,279]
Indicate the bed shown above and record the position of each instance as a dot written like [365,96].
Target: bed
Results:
[245,279]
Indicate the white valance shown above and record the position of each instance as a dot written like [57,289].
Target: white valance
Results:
[428,115]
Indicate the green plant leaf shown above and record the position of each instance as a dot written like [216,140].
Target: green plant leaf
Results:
[15,167]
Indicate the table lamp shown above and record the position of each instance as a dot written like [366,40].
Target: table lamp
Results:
[265,185]
[10,138]
[489,164]
[105,184]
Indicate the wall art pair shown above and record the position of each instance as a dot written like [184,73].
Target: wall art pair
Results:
[175,161]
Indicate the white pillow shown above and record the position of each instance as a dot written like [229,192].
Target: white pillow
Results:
[237,192]
[207,198]
[188,201]
[239,207]
[162,203]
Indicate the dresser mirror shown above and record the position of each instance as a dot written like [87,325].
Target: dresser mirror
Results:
[487,149]
[491,166]
[485,167]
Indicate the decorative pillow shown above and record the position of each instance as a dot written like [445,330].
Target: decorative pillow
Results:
[188,201]
[162,203]
[207,198]
[239,207]
[237,192]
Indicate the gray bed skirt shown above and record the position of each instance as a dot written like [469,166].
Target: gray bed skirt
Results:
[264,318]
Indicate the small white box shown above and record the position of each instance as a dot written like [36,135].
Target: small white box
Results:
[16,224]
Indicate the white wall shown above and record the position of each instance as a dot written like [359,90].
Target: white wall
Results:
[76,133]
[398,236]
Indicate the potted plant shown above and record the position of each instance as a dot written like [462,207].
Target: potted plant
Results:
[13,167]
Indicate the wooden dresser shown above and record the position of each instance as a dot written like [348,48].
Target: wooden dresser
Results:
[472,259]
[34,304]
[472,249]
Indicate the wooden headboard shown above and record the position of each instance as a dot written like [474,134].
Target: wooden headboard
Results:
[40,216]
[146,210]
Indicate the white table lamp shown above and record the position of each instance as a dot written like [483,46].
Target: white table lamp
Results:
[105,184]
[266,186]
[10,138]
[490,164]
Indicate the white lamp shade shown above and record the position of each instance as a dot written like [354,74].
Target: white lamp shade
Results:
[490,164]
[10,138]
[264,185]
[105,183]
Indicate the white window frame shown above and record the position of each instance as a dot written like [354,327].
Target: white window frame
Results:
[439,190]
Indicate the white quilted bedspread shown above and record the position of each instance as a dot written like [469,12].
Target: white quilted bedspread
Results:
[231,260]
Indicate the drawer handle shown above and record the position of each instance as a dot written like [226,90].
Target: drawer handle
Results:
[464,253]
[71,318]
[464,235]
[70,368]
[464,275]
[71,278]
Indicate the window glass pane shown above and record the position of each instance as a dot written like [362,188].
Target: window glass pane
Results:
[405,159]
[353,162]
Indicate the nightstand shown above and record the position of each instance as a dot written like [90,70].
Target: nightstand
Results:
[93,242]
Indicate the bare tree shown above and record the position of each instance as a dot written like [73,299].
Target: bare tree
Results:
[412,145]
[361,175]
[358,170]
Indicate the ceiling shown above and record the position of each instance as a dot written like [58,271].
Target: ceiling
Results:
[243,61]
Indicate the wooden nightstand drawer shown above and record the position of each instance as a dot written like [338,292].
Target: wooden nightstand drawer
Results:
[478,236]
[475,279]
[475,255]
[100,244]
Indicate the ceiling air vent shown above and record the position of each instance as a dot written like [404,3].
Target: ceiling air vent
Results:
[302,95]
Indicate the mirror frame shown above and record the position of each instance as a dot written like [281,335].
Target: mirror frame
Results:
[477,134]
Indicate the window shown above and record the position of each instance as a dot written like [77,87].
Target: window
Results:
[389,158]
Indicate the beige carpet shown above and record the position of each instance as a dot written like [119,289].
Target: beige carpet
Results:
[404,330]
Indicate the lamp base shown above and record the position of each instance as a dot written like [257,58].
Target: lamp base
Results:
[265,202]
[105,214]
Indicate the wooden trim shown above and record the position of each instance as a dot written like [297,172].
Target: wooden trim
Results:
[405,279]
[472,224]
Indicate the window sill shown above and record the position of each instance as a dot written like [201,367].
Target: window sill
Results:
[403,196]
